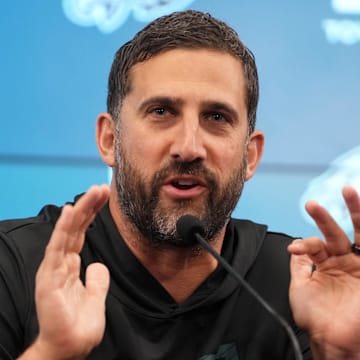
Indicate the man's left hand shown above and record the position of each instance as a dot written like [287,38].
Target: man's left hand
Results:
[325,284]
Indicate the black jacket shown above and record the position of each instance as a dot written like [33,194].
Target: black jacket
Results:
[221,320]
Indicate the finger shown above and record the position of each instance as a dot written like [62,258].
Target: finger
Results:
[313,247]
[55,250]
[87,206]
[301,267]
[73,265]
[352,200]
[69,231]
[84,212]
[337,242]
[301,272]
[97,280]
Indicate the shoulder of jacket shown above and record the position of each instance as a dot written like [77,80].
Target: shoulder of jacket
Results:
[261,230]
[43,222]
[9,226]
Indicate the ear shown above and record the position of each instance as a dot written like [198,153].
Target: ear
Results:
[255,149]
[105,138]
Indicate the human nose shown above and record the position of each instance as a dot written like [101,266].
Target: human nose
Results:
[188,143]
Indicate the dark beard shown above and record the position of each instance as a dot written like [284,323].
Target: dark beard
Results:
[157,223]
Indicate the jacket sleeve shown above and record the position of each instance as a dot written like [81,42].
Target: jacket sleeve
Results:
[22,247]
[15,300]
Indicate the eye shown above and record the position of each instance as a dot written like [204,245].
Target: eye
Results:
[159,111]
[217,117]
[160,114]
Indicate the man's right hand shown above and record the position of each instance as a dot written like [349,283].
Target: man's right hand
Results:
[71,314]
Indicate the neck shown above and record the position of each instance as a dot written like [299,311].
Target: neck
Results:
[179,270]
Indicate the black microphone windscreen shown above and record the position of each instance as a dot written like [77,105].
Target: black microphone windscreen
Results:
[187,226]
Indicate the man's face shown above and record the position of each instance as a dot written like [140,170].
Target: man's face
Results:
[181,142]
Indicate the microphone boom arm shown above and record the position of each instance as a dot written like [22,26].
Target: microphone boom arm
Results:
[253,292]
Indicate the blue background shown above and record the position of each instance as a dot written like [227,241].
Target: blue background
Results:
[53,86]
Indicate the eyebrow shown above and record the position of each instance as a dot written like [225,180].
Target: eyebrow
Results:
[161,100]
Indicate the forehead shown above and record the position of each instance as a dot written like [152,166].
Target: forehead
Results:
[190,72]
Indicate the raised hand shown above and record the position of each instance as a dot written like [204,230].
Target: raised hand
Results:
[326,301]
[71,314]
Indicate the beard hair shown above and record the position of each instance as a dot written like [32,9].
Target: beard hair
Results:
[139,198]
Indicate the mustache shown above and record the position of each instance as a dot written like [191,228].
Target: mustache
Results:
[194,168]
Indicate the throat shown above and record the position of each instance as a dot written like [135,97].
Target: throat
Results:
[184,283]
[181,274]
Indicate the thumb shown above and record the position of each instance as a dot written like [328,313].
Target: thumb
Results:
[97,280]
[301,268]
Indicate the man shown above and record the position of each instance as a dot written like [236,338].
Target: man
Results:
[114,280]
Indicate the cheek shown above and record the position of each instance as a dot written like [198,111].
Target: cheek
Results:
[229,156]
[145,152]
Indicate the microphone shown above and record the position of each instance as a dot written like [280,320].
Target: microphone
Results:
[192,231]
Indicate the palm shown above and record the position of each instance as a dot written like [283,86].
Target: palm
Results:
[325,301]
[71,314]
[326,304]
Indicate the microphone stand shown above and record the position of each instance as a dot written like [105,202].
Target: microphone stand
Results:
[252,291]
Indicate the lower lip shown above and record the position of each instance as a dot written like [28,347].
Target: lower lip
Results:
[177,193]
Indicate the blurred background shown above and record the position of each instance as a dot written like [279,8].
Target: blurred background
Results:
[54,64]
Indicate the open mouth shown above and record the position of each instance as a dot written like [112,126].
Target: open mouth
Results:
[184,184]
[184,187]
